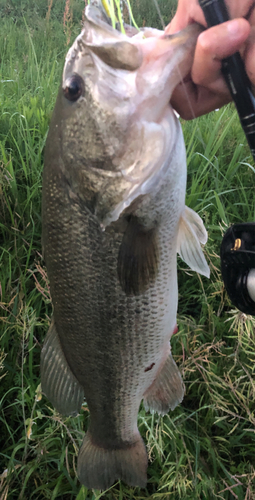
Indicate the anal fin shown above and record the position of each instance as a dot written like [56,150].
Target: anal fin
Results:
[167,390]
[58,382]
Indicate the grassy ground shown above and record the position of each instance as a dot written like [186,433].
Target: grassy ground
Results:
[205,449]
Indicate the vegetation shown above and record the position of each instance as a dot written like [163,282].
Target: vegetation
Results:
[205,449]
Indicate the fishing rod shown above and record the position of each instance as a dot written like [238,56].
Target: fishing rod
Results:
[238,245]
[233,69]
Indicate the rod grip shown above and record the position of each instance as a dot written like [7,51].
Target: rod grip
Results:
[233,69]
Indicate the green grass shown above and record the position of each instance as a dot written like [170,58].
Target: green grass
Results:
[204,449]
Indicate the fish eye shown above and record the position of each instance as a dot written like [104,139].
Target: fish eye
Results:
[74,88]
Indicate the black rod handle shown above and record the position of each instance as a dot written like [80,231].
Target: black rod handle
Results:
[233,69]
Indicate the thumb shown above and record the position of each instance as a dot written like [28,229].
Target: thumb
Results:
[187,13]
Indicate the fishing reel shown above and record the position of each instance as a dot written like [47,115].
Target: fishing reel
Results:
[238,245]
[238,265]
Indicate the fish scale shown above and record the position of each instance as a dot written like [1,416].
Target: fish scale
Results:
[110,243]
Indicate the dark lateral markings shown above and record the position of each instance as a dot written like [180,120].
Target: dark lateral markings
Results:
[149,367]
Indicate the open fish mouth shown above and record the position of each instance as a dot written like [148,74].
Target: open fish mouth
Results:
[153,61]
[130,79]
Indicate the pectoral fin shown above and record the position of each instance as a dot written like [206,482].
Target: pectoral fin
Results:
[58,382]
[190,236]
[138,257]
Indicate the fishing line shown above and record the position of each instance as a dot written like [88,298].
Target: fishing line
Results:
[130,18]
[119,6]
[159,14]
[127,2]
[181,80]
[191,108]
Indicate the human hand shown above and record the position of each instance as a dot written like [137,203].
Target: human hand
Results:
[205,89]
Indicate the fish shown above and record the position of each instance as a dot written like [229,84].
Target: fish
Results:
[113,220]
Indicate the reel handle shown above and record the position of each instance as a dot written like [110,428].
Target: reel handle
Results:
[238,265]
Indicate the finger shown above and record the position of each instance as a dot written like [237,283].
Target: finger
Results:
[239,9]
[189,11]
[213,45]
[191,101]
[249,54]
[249,62]
[185,15]
[207,89]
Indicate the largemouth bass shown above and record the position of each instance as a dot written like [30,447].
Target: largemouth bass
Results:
[114,218]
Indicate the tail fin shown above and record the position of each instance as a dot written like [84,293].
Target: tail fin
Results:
[99,467]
